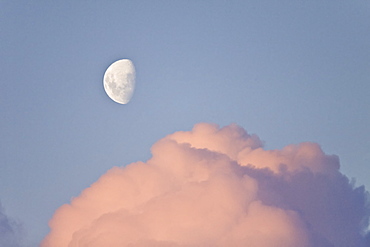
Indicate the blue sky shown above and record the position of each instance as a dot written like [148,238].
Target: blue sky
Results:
[288,71]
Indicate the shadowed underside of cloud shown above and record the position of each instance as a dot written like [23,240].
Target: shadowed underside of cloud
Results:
[218,187]
[10,231]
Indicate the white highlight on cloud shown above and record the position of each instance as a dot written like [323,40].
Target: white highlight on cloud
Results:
[218,187]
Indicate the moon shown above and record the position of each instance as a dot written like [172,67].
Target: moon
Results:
[119,81]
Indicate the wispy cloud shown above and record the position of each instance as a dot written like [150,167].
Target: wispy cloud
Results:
[10,231]
[218,187]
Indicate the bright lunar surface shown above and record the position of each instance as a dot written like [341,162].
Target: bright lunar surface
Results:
[119,81]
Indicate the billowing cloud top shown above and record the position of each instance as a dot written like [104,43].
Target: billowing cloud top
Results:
[218,187]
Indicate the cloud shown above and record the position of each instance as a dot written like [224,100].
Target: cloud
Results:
[218,187]
[10,231]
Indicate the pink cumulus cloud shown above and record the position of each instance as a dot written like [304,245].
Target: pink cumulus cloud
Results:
[216,186]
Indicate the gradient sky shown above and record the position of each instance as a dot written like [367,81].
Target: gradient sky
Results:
[289,71]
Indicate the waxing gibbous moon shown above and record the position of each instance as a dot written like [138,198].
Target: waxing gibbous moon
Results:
[119,81]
